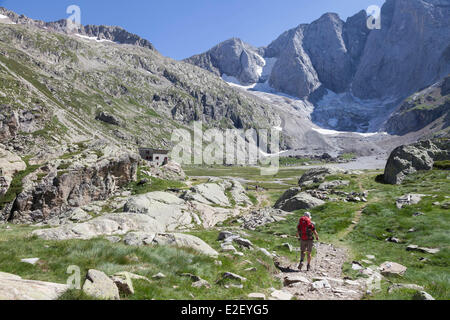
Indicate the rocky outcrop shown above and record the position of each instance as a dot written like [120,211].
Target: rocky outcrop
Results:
[408,199]
[100,286]
[288,194]
[13,287]
[10,164]
[208,193]
[171,171]
[60,190]
[106,225]
[302,200]
[408,159]
[170,239]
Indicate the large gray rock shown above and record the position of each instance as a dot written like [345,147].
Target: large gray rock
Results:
[170,171]
[392,268]
[107,225]
[100,286]
[166,209]
[88,180]
[208,193]
[408,159]
[289,193]
[301,201]
[170,239]
[13,287]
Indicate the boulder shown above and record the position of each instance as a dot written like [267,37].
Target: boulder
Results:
[13,287]
[302,200]
[422,249]
[232,276]
[408,159]
[10,164]
[392,268]
[280,295]
[100,286]
[208,193]
[88,179]
[201,284]
[409,199]
[317,175]
[123,283]
[288,194]
[131,276]
[171,171]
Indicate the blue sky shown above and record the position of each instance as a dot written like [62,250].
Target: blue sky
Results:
[181,28]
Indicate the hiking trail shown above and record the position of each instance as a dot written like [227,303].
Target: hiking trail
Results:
[324,281]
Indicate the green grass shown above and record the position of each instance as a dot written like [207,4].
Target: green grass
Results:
[380,219]
[56,257]
[442,165]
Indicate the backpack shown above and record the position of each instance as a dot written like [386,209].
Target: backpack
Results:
[305,229]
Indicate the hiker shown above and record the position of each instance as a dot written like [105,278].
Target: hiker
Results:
[306,230]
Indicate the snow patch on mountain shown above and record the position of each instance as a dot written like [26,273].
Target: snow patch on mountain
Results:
[93,38]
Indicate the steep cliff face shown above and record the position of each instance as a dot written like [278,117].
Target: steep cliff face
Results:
[50,190]
[408,53]
[369,67]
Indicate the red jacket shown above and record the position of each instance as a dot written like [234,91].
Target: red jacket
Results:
[305,228]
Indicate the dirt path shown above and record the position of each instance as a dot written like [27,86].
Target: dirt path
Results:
[324,281]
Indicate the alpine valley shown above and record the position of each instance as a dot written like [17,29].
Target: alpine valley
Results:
[364,119]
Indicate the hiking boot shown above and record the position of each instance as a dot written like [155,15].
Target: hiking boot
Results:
[308,268]
[300,266]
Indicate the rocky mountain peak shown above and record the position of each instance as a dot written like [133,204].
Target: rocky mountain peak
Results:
[111,33]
